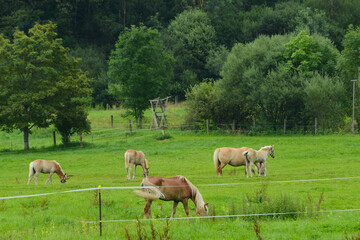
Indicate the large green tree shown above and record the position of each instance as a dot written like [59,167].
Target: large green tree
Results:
[190,37]
[34,71]
[140,69]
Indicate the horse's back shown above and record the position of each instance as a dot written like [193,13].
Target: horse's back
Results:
[174,188]
[232,156]
[136,157]
[45,166]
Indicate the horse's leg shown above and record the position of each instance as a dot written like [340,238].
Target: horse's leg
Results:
[49,178]
[134,171]
[147,208]
[31,174]
[36,177]
[186,207]
[129,171]
[249,169]
[264,166]
[174,209]
[222,165]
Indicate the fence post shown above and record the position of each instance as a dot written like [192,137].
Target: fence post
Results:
[315,126]
[112,121]
[284,126]
[254,123]
[176,100]
[54,137]
[81,142]
[207,125]
[100,221]
[233,126]
[130,127]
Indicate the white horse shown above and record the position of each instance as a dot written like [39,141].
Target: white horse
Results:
[133,157]
[258,157]
[43,166]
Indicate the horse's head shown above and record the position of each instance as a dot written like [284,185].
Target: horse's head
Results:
[202,211]
[271,151]
[146,171]
[65,177]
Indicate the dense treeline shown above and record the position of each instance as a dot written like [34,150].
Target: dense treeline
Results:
[241,60]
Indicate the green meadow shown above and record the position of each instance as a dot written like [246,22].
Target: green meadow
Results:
[310,176]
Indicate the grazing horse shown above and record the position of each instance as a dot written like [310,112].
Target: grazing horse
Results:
[232,156]
[258,157]
[177,189]
[133,157]
[43,166]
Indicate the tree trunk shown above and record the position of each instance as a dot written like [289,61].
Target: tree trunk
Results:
[26,138]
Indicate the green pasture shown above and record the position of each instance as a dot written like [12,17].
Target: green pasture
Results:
[101,162]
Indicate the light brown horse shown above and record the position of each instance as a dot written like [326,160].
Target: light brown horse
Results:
[133,157]
[43,166]
[232,156]
[177,189]
[258,157]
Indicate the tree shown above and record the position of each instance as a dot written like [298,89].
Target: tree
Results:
[324,99]
[200,102]
[307,54]
[189,37]
[34,70]
[349,61]
[140,69]
[244,71]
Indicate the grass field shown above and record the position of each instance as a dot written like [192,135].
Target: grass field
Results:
[100,162]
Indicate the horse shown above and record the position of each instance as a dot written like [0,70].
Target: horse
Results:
[43,166]
[258,157]
[177,189]
[232,156]
[133,157]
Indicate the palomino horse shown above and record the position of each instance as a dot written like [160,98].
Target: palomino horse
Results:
[177,189]
[258,157]
[43,166]
[232,156]
[133,157]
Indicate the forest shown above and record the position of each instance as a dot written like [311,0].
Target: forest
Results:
[267,61]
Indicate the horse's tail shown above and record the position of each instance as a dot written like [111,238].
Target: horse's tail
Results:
[127,158]
[246,157]
[31,169]
[152,193]
[217,161]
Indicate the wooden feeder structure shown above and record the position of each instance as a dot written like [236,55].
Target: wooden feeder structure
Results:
[158,107]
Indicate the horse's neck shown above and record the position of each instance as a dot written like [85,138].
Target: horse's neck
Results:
[197,199]
[59,171]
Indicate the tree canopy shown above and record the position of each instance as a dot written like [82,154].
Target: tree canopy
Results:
[140,69]
[36,79]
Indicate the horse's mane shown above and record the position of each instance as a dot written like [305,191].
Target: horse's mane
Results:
[199,201]
[265,148]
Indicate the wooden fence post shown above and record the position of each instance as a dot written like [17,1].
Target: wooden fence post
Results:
[112,121]
[207,125]
[315,126]
[54,137]
[233,126]
[254,123]
[130,127]
[284,126]
[81,142]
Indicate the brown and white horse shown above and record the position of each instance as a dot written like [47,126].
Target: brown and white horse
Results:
[232,156]
[43,166]
[133,157]
[258,157]
[177,189]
